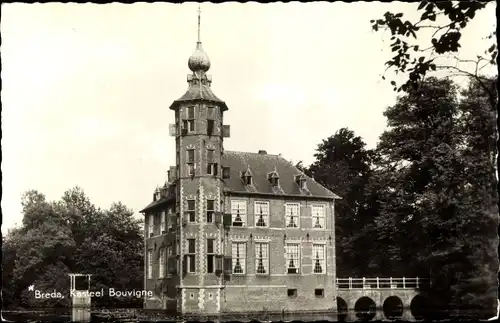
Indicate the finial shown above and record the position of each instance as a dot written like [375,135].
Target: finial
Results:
[199,18]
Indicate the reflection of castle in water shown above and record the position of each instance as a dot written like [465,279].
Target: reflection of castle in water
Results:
[80,298]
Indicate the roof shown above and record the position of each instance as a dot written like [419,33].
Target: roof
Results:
[261,165]
[199,91]
[167,195]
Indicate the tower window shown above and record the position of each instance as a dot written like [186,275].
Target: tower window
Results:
[190,112]
[190,162]
[191,256]
[210,210]
[210,127]
[210,155]
[190,155]
[210,256]
[188,124]
[191,210]
[212,169]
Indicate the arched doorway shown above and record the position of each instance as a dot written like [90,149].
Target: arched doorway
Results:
[393,307]
[365,308]
[341,309]
[418,307]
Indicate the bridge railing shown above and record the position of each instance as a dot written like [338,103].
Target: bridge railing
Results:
[380,283]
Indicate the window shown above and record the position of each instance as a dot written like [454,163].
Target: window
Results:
[210,256]
[162,229]
[319,292]
[190,112]
[212,169]
[226,172]
[189,122]
[292,258]
[261,214]
[162,263]
[210,211]
[318,216]
[239,213]
[247,180]
[150,264]
[318,256]
[191,260]
[190,162]
[262,258]
[191,210]
[239,257]
[169,251]
[210,127]
[291,292]
[292,215]
[151,225]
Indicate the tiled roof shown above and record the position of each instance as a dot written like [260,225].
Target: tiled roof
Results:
[199,91]
[167,195]
[261,165]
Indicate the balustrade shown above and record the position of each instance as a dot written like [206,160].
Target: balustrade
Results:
[379,283]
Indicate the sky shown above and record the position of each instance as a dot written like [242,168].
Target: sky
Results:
[86,87]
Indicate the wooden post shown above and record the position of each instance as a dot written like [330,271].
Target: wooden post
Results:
[350,282]
[417,283]
[378,285]
[404,283]
[390,281]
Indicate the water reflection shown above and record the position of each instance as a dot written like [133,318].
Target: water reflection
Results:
[80,314]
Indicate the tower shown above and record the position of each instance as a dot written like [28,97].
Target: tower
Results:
[199,133]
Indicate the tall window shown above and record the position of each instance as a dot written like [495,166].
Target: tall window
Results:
[292,258]
[162,263]
[318,216]
[239,213]
[189,122]
[210,256]
[210,211]
[212,169]
[190,162]
[191,210]
[151,225]
[210,113]
[292,215]
[239,257]
[162,229]
[261,214]
[210,127]
[262,258]
[210,155]
[319,257]
[191,256]
[150,264]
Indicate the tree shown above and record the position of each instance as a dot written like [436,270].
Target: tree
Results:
[452,18]
[436,208]
[343,166]
[71,236]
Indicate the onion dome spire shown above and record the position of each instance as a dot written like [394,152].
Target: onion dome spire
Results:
[199,61]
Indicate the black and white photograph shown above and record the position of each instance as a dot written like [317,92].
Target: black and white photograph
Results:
[265,162]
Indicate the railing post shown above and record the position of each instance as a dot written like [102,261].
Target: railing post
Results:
[417,283]
[378,286]
[364,284]
[404,286]
[390,282]
[350,282]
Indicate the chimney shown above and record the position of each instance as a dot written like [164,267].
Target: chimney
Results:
[262,152]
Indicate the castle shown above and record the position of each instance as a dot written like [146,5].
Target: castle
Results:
[230,231]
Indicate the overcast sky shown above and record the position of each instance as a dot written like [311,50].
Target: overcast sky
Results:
[86,87]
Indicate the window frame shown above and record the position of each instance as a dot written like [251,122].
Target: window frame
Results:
[191,212]
[210,212]
[162,263]
[322,259]
[151,225]
[163,225]
[288,258]
[211,256]
[240,259]
[288,216]
[265,217]
[314,217]
[243,216]
[265,259]
[150,264]
[191,257]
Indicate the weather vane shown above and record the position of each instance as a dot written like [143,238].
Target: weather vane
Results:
[199,14]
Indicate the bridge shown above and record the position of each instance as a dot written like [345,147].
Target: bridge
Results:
[379,298]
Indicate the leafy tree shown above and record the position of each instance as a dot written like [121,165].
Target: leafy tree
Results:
[436,207]
[71,236]
[343,166]
[447,19]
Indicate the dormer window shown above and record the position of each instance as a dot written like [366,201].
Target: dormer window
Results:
[301,181]
[246,176]
[273,178]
